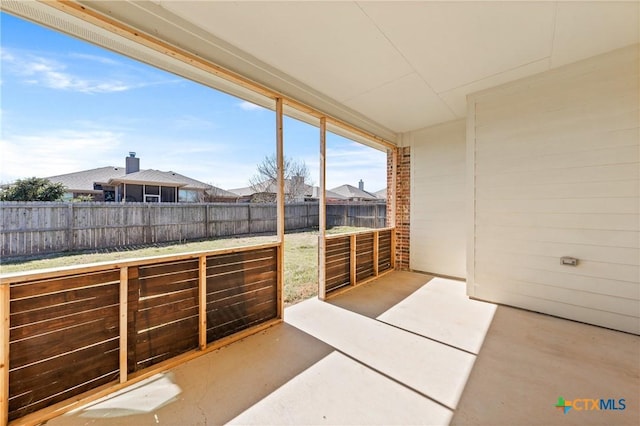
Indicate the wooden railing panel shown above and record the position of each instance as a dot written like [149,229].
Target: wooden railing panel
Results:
[63,338]
[356,257]
[67,326]
[384,250]
[241,291]
[364,257]
[167,310]
[337,263]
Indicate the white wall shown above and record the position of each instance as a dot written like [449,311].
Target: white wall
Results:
[437,231]
[554,171]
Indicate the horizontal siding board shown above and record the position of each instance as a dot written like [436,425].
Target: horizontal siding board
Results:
[587,268]
[596,301]
[491,272]
[609,222]
[626,205]
[574,311]
[612,255]
[597,237]
[552,161]
[605,173]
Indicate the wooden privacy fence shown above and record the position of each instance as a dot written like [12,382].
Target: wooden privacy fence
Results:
[39,228]
[355,258]
[82,332]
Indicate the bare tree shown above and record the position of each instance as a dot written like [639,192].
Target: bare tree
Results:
[296,175]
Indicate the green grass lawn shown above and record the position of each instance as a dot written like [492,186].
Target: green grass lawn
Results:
[300,258]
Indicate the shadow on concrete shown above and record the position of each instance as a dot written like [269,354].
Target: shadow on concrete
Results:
[376,297]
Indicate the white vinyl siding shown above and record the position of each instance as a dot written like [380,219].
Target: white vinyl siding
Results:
[437,232]
[557,173]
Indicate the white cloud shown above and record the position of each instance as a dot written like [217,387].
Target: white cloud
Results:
[248,106]
[57,152]
[37,69]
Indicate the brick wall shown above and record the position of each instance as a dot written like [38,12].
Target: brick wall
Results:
[403,199]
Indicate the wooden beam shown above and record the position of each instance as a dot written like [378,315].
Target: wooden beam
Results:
[376,252]
[280,203]
[105,22]
[124,307]
[202,303]
[352,259]
[5,297]
[322,213]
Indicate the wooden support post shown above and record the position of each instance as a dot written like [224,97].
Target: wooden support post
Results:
[4,362]
[322,212]
[376,250]
[280,204]
[352,259]
[202,303]
[124,302]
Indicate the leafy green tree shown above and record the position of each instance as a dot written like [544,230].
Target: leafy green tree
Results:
[33,189]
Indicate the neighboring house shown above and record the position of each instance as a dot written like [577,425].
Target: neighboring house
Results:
[131,184]
[295,190]
[352,193]
[381,194]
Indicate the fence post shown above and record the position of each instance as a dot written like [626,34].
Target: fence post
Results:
[4,362]
[149,231]
[249,217]
[207,233]
[70,242]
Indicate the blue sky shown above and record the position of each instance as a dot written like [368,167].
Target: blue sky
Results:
[67,105]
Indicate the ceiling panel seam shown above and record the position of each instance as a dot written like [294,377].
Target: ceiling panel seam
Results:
[407,61]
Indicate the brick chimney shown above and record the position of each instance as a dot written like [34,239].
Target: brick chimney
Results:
[132,163]
[361,185]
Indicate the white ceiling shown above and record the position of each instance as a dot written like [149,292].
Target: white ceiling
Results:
[407,65]
[385,66]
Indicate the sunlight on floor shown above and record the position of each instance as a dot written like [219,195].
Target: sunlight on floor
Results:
[144,397]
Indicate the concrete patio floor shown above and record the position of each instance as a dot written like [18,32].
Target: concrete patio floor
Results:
[404,349]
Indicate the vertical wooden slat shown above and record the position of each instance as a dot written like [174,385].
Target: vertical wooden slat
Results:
[322,211]
[202,303]
[352,259]
[280,204]
[124,300]
[376,249]
[4,362]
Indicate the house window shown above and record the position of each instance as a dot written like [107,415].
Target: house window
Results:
[151,198]
[188,196]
